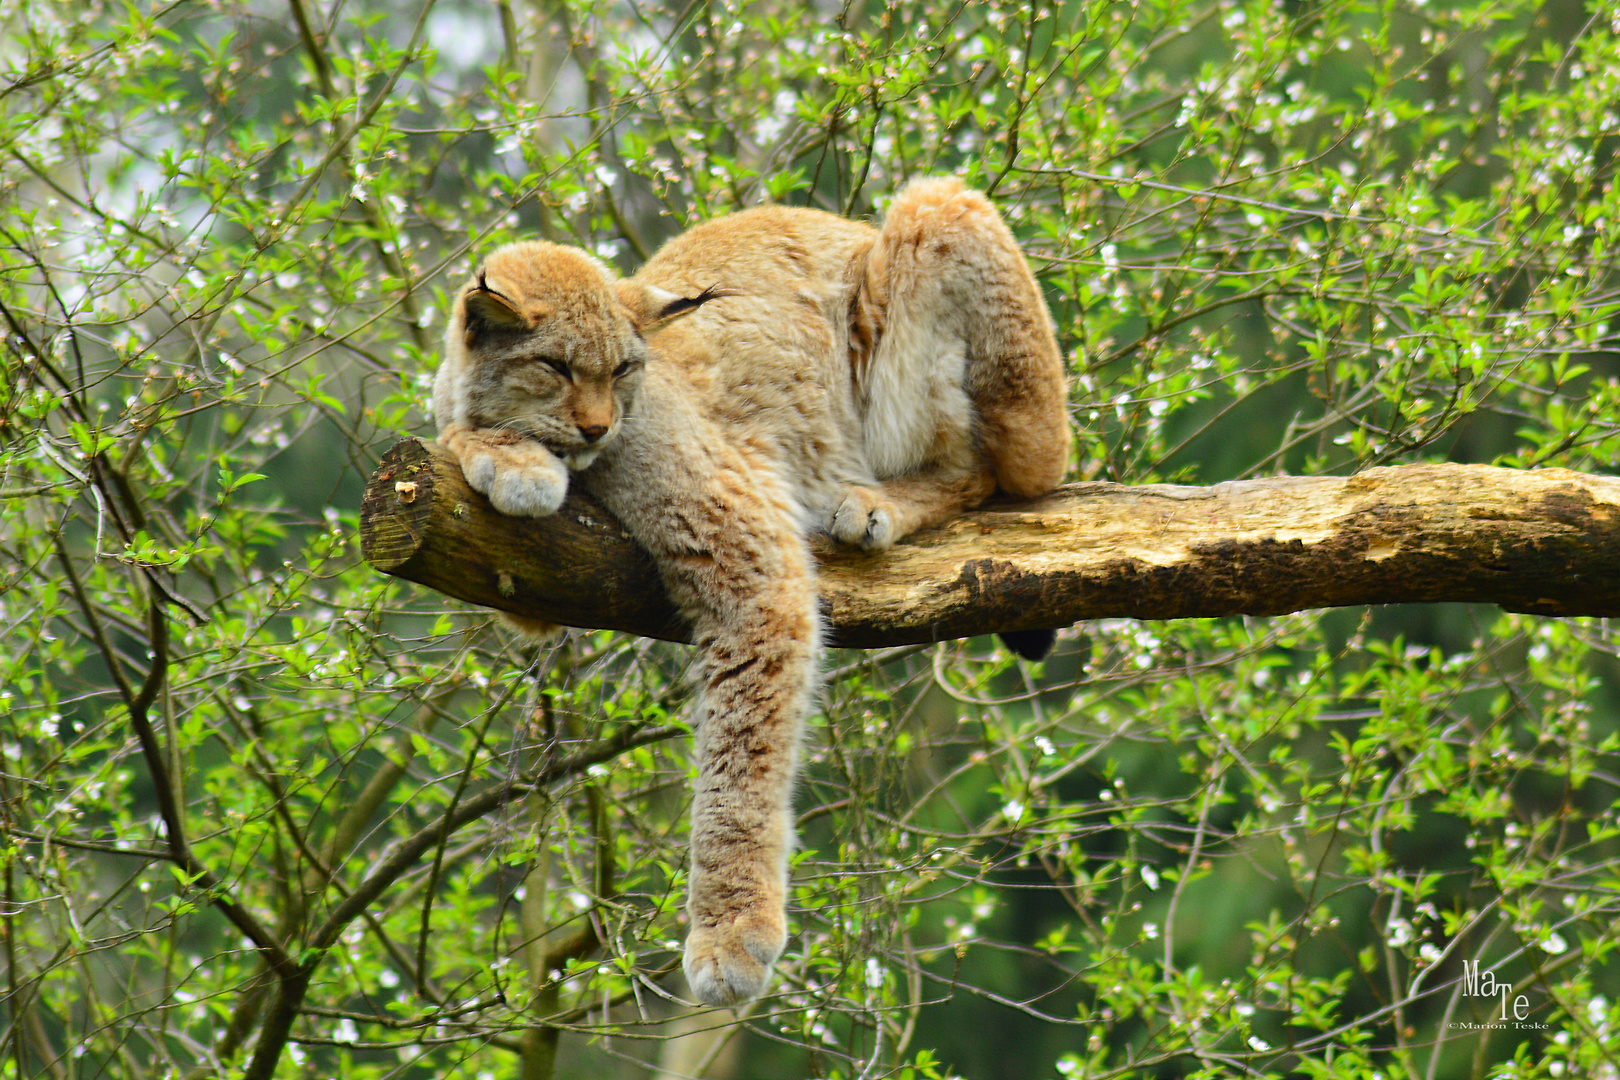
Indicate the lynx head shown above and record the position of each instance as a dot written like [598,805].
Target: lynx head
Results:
[545,341]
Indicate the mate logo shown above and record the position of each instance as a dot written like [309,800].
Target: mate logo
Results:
[1477,983]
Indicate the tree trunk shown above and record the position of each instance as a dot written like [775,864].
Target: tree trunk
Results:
[1544,541]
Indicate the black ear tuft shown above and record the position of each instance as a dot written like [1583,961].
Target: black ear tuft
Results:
[652,308]
[488,310]
[683,304]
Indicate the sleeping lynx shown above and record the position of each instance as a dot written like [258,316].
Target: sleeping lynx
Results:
[766,375]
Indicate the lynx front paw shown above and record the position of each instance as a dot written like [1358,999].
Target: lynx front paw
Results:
[731,962]
[864,519]
[521,480]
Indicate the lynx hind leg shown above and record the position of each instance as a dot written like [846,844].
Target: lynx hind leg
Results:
[866,518]
[947,242]
[519,476]
[875,518]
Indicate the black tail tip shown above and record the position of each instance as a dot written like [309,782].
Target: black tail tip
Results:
[1030,644]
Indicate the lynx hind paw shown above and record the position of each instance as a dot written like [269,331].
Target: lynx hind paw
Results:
[530,482]
[731,963]
[865,519]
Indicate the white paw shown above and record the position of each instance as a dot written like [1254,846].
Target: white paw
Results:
[479,469]
[518,484]
[529,491]
[731,962]
[863,520]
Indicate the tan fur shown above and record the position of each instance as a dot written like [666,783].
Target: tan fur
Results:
[837,378]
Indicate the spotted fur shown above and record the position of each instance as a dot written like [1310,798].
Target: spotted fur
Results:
[765,375]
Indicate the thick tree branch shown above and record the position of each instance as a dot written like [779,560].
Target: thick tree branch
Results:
[1544,541]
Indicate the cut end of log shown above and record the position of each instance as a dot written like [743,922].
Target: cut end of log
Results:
[396,510]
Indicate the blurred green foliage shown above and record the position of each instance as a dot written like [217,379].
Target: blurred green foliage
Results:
[264,812]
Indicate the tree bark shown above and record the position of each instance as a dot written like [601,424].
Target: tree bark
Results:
[1545,541]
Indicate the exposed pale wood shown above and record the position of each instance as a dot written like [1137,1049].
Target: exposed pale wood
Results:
[1545,541]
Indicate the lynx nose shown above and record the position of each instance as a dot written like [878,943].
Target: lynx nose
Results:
[593,431]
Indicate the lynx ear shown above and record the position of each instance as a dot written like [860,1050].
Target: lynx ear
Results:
[652,308]
[489,310]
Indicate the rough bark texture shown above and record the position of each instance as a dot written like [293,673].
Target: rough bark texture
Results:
[1544,541]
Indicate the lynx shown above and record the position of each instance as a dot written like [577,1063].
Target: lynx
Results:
[766,375]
